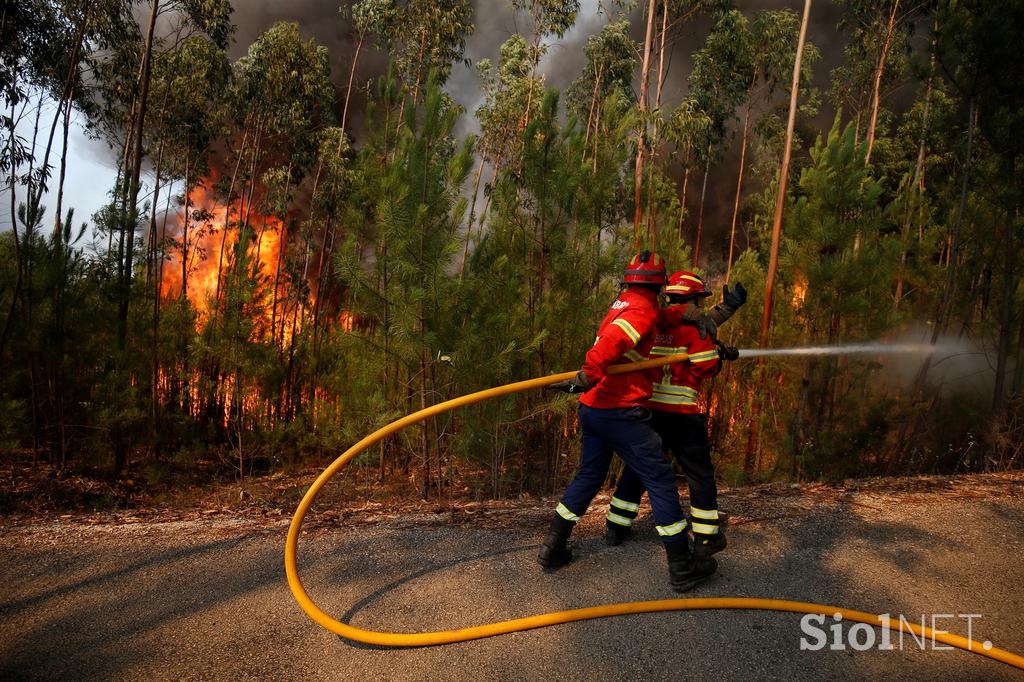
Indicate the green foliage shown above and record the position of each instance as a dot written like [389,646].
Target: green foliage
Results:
[301,288]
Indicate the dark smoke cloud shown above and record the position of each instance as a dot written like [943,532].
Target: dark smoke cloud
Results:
[495,22]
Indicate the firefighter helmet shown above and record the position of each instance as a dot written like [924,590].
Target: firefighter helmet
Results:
[645,268]
[686,284]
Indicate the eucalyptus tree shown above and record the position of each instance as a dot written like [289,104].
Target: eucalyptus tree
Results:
[427,37]
[370,18]
[507,94]
[722,71]
[282,99]
[686,125]
[976,47]
[680,13]
[611,61]
[877,57]
[772,39]
[547,18]
[212,17]
[750,458]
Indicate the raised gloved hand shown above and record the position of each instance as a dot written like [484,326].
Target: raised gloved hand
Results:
[580,383]
[734,298]
[706,326]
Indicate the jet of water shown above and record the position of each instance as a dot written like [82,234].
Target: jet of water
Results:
[861,348]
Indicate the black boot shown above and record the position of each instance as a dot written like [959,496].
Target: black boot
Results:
[685,570]
[706,545]
[555,552]
[615,535]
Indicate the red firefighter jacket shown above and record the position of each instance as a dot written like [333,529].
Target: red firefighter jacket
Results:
[626,335]
[675,386]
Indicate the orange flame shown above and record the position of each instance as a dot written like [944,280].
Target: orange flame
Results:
[799,290]
[201,245]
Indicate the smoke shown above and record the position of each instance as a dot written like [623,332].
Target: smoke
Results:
[494,22]
[959,366]
[956,366]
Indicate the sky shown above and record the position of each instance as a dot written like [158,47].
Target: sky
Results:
[92,164]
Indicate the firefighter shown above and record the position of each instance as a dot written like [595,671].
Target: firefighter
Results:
[677,418]
[613,419]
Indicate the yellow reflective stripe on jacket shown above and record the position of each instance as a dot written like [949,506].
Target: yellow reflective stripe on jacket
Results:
[564,512]
[671,399]
[625,326]
[627,506]
[674,529]
[707,514]
[675,390]
[620,520]
[705,356]
[633,355]
[705,528]
[668,350]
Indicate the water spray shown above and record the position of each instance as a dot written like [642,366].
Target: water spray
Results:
[850,349]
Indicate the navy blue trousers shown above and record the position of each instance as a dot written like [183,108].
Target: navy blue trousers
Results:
[686,437]
[628,432]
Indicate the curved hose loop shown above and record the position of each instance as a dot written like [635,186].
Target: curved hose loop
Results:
[404,639]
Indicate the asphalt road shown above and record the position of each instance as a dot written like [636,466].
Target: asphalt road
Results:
[208,600]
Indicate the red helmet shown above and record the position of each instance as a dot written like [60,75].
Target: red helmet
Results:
[686,284]
[645,268]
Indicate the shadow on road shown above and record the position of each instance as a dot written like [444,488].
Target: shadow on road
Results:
[396,584]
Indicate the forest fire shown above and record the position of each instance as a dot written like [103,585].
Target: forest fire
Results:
[200,256]
[799,290]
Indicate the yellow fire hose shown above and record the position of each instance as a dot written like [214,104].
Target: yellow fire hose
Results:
[409,639]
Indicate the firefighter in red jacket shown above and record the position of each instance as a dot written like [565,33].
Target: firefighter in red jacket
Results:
[613,419]
[677,418]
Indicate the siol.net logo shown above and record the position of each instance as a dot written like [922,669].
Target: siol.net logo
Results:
[894,634]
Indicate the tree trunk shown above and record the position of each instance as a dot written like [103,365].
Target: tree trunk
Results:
[61,250]
[954,248]
[593,104]
[641,138]
[876,86]
[16,293]
[700,213]
[661,52]
[1009,288]
[277,268]
[184,232]
[773,261]
[739,190]
[227,222]
[419,66]
[780,201]
[140,123]
[64,107]
[1018,370]
[533,76]
[682,200]
[908,432]
[472,215]
[917,184]
[351,77]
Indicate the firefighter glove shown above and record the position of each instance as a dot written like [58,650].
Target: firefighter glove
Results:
[728,352]
[734,298]
[580,383]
